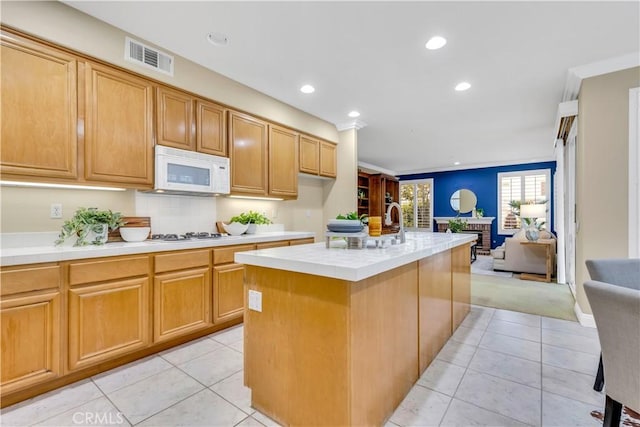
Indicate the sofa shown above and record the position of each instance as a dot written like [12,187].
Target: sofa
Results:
[512,256]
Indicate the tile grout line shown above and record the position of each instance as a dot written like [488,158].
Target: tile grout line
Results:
[541,379]
[112,402]
[467,368]
[170,406]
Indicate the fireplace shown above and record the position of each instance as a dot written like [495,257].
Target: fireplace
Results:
[479,226]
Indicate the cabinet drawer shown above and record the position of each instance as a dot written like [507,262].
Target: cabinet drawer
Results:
[302,241]
[29,278]
[107,269]
[268,245]
[181,260]
[225,255]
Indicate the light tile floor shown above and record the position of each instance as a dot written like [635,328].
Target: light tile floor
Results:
[501,368]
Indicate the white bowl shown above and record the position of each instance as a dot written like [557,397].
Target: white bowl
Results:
[235,228]
[134,234]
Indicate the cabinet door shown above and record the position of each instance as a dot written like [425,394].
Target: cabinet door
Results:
[283,162]
[182,303]
[228,298]
[107,320]
[328,162]
[211,125]
[30,340]
[175,119]
[309,155]
[118,127]
[248,153]
[434,305]
[39,110]
[460,283]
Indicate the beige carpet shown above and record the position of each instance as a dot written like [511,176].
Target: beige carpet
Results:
[546,299]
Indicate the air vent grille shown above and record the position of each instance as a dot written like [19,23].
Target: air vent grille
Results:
[147,56]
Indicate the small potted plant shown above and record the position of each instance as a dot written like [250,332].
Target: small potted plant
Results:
[251,218]
[90,226]
[457,224]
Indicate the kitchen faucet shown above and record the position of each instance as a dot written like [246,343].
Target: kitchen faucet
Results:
[387,220]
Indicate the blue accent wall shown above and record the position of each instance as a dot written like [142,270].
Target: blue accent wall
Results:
[484,183]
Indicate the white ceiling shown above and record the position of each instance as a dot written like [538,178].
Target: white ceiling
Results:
[370,56]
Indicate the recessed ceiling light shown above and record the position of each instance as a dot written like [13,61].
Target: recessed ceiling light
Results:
[435,43]
[307,89]
[218,39]
[456,163]
[354,114]
[462,86]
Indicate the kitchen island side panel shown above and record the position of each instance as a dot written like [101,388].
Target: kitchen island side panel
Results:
[297,349]
[435,306]
[460,284]
[384,346]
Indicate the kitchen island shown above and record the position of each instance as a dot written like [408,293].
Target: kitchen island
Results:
[339,336]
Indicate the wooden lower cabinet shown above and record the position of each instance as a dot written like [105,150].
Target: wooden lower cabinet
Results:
[228,296]
[182,303]
[107,320]
[434,306]
[31,340]
[460,283]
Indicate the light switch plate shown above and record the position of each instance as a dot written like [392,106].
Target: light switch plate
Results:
[255,300]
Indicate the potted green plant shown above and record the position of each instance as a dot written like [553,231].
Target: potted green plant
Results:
[457,224]
[252,218]
[90,226]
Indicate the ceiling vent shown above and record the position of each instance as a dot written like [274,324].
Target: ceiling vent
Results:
[149,57]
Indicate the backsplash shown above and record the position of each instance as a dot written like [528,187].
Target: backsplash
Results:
[177,214]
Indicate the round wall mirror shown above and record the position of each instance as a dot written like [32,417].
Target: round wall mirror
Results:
[463,201]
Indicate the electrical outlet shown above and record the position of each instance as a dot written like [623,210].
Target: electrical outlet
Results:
[56,210]
[255,300]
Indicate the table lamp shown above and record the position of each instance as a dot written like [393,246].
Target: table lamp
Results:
[532,212]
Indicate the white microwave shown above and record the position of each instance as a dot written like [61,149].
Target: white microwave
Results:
[187,172]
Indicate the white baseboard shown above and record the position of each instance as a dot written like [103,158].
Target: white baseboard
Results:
[584,318]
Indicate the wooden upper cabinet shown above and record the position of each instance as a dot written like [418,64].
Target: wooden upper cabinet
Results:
[248,152]
[328,161]
[118,127]
[175,119]
[309,155]
[283,162]
[211,128]
[39,109]
[317,157]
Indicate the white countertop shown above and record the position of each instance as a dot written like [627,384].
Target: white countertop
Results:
[51,253]
[352,264]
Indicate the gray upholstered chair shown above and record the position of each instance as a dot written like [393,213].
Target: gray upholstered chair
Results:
[616,310]
[616,271]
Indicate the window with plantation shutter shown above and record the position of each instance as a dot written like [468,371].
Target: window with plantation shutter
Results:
[416,199]
[514,188]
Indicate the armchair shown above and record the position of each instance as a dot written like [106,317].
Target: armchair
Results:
[616,310]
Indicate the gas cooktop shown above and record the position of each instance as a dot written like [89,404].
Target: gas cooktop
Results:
[186,236]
